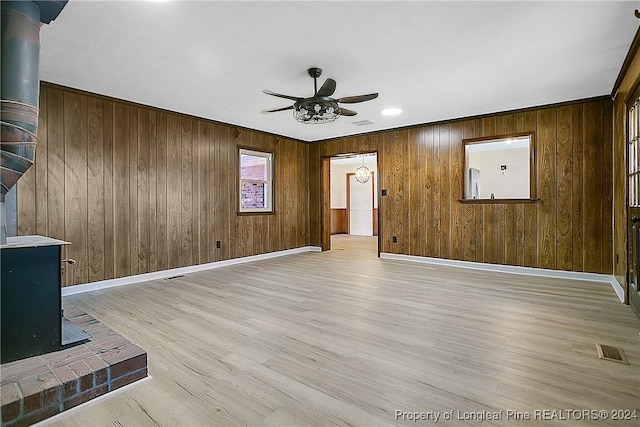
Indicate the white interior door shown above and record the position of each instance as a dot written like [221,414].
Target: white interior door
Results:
[360,207]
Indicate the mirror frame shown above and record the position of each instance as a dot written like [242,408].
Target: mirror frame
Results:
[532,167]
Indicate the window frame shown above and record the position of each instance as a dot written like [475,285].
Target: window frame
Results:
[269,183]
[533,196]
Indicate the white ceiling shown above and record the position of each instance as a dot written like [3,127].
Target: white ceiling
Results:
[434,60]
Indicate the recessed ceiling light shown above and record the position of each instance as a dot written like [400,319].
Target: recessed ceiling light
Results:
[391,111]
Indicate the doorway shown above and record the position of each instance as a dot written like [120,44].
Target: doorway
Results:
[350,198]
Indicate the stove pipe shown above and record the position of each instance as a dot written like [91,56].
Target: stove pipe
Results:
[20,89]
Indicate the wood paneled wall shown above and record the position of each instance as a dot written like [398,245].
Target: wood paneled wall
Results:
[569,228]
[339,223]
[629,82]
[136,190]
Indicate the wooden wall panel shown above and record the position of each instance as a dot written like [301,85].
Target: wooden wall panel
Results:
[388,217]
[153,191]
[143,204]
[566,229]
[55,162]
[577,184]
[529,123]
[120,189]
[135,189]
[76,192]
[109,228]
[444,160]
[186,191]
[546,153]
[134,236]
[564,181]
[431,192]
[593,159]
[325,197]
[469,222]
[607,187]
[315,214]
[161,226]
[416,197]
[42,220]
[95,184]
[203,208]
[174,190]
[455,177]
[375,221]
[339,221]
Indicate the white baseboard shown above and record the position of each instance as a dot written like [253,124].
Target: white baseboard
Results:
[560,274]
[111,283]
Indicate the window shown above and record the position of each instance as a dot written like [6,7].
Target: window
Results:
[633,199]
[256,181]
[499,169]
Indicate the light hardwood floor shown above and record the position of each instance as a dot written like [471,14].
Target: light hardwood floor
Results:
[344,338]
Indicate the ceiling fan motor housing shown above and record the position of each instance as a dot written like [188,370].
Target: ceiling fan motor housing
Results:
[315,72]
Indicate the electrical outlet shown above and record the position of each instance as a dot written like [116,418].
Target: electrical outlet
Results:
[617,259]
[384,191]
[395,239]
[218,245]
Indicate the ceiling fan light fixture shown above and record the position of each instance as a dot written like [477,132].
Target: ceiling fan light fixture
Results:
[324,111]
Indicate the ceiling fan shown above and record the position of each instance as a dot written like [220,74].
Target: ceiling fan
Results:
[321,107]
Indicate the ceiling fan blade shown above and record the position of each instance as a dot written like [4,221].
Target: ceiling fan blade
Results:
[279,95]
[327,88]
[279,109]
[358,98]
[347,112]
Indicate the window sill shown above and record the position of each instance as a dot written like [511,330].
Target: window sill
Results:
[256,213]
[497,201]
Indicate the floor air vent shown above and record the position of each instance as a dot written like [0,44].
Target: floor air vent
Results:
[615,354]
[172,277]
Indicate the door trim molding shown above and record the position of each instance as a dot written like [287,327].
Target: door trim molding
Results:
[528,271]
[325,196]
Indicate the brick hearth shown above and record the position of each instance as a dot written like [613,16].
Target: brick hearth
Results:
[41,386]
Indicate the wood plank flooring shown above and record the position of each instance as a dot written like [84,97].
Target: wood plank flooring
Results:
[344,338]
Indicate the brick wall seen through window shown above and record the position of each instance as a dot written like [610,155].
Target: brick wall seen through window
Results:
[255,181]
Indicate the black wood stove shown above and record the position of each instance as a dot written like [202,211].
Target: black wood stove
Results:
[31,318]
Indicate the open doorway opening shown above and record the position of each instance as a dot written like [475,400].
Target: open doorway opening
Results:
[350,205]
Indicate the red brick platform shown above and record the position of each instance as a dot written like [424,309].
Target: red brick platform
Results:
[41,386]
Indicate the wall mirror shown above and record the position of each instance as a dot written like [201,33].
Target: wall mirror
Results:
[499,169]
